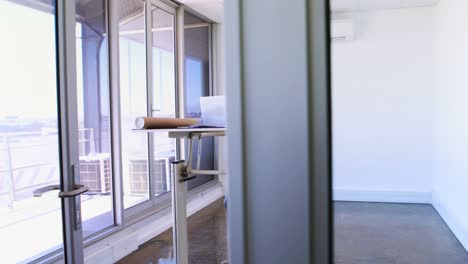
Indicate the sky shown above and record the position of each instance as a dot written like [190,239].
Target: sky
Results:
[27,62]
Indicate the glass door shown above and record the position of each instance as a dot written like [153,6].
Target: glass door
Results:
[147,88]
[133,102]
[40,213]
[163,94]
[29,136]
[94,119]
[68,130]
[55,130]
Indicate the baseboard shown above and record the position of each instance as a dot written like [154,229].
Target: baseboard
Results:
[382,196]
[459,229]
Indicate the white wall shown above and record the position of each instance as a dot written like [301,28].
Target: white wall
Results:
[451,180]
[384,107]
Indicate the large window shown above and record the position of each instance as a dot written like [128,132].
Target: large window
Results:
[38,151]
[148,88]
[133,101]
[29,151]
[197,84]
[94,115]
[164,96]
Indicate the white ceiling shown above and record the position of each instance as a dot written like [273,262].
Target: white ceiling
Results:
[213,9]
[363,5]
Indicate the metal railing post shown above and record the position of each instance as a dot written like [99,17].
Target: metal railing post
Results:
[11,177]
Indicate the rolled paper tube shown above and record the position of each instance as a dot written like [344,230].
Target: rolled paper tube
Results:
[158,122]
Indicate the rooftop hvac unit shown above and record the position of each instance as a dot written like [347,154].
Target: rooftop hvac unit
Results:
[342,29]
[95,173]
[160,178]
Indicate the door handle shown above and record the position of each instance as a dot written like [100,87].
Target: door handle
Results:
[39,192]
[78,189]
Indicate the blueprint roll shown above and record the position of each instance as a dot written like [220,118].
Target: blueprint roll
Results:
[160,123]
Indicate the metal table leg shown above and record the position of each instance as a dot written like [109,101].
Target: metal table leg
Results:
[179,211]
[182,172]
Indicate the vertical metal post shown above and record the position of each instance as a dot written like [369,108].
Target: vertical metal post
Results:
[320,131]
[180,60]
[117,178]
[210,59]
[92,143]
[149,90]
[188,163]
[68,130]
[180,74]
[199,151]
[12,195]
[179,212]
[167,162]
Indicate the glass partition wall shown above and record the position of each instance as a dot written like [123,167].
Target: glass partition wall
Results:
[55,115]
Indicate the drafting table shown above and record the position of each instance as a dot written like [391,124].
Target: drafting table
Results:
[183,172]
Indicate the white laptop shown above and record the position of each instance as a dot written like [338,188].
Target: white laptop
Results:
[213,110]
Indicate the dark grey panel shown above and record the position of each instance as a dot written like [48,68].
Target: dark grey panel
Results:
[276,131]
[278,106]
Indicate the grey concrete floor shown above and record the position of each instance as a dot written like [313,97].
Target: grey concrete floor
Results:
[379,233]
[365,233]
[207,240]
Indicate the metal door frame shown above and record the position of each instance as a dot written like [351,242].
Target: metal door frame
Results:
[68,130]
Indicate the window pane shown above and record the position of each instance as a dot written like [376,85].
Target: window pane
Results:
[197,84]
[29,150]
[133,101]
[94,115]
[164,101]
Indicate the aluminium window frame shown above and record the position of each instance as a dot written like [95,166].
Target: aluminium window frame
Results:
[153,200]
[68,127]
[72,250]
[155,203]
[126,217]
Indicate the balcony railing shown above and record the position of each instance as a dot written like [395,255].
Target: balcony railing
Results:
[29,160]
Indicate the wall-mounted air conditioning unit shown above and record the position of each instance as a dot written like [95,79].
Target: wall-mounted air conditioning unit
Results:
[342,29]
